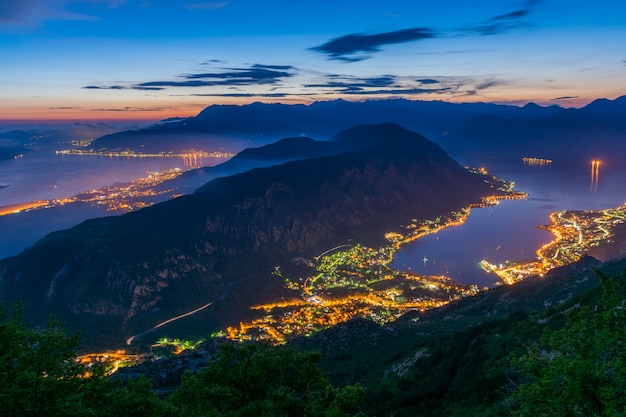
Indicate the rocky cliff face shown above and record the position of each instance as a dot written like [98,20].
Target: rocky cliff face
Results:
[129,272]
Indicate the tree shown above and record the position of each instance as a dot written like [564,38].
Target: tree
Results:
[39,376]
[580,369]
[264,381]
[37,367]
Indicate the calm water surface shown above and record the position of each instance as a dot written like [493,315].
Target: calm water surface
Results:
[506,231]
[509,230]
[43,175]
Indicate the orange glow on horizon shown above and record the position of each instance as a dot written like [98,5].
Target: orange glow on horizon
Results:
[156,108]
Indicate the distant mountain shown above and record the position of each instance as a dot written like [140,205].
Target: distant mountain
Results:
[284,150]
[56,134]
[117,276]
[233,128]
[596,131]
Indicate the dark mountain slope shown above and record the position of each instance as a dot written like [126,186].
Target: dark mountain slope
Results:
[119,276]
[457,360]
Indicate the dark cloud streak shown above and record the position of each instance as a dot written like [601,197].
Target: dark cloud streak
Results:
[503,23]
[110,87]
[399,91]
[489,83]
[427,81]
[237,95]
[354,83]
[358,46]
[256,74]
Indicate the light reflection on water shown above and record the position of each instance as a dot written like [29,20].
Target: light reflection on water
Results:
[509,231]
[43,175]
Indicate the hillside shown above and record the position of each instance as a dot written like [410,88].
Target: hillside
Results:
[475,357]
[122,275]
[460,360]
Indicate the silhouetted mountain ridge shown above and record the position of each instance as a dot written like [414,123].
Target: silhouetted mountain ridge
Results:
[596,131]
[234,127]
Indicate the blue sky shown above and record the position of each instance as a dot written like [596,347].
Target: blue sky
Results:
[148,59]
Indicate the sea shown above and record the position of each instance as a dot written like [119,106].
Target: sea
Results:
[46,175]
[507,231]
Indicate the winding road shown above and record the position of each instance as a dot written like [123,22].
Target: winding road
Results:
[168,321]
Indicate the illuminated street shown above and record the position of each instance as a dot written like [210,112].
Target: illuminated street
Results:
[350,281]
[119,197]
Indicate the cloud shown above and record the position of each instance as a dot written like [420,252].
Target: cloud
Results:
[565,97]
[110,87]
[121,87]
[34,12]
[267,95]
[489,83]
[133,109]
[380,85]
[352,83]
[503,23]
[401,91]
[427,81]
[208,6]
[256,74]
[358,46]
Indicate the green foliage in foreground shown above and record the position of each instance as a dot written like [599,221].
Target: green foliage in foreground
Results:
[39,377]
[255,380]
[567,360]
[580,369]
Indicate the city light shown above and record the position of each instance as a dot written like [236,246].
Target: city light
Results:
[353,280]
[536,161]
[575,232]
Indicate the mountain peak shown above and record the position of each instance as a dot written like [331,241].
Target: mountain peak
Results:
[386,137]
[376,133]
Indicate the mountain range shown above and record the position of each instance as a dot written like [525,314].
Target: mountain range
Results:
[233,127]
[115,277]
[462,129]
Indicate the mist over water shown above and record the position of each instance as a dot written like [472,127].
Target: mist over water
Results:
[43,175]
[509,231]
[504,232]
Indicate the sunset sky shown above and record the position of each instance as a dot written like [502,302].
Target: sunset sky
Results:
[153,59]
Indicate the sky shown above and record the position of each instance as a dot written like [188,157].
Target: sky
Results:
[155,59]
